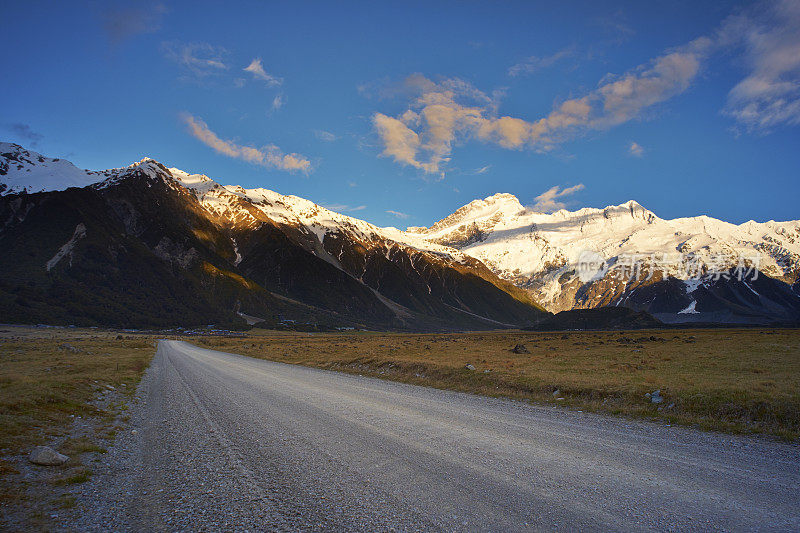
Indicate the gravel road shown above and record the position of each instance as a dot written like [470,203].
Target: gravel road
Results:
[222,441]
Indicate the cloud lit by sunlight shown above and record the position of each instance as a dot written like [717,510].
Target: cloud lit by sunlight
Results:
[268,156]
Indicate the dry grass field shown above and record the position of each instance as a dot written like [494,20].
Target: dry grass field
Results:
[738,380]
[64,388]
[69,387]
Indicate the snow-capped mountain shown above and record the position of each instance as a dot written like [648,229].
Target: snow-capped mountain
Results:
[25,171]
[233,203]
[684,258]
[689,268]
[148,245]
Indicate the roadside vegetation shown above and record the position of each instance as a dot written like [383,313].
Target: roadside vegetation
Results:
[737,380]
[69,388]
[62,388]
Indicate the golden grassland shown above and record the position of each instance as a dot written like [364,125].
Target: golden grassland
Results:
[733,380]
[738,380]
[50,378]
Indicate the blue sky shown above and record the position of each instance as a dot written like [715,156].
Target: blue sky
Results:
[399,113]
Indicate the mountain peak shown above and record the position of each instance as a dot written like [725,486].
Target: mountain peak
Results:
[496,206]
[199,183]
[25,171]
[6,147]
[149,166]
[501,197]
[504,201]
[146,162]
[631,208]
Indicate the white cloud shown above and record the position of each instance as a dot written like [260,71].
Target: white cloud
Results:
[268,156]
[548,201]
[443,113]
[534,64]
[199,59]
[635,149]
[400,142]
[326,136]
[482,170]
[770,94]
[398,214]
[339,208]
[257,70]
[278,102]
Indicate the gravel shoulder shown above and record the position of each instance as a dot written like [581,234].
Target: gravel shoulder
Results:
[222,441]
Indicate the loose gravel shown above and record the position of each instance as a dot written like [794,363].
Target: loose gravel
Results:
[225,442]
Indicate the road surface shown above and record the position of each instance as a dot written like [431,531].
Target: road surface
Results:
[223,441]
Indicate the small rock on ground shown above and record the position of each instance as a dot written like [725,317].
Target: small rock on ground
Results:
[46,456]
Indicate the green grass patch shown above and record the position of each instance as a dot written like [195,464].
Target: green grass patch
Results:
[81,476]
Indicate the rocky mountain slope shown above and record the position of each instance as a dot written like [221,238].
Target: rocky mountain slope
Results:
[485,265]
[149,246]
[686,269]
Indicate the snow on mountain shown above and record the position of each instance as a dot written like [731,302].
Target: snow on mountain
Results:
[147,167]
[542,251]
[24,171]
[226,201]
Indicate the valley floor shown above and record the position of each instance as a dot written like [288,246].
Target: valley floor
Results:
[732,380]
[69,389]
[226,442]
[246,429]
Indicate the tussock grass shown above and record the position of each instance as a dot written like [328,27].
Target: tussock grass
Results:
[79,475]
[74,447]
[66,501]
[47,379]
[736,380]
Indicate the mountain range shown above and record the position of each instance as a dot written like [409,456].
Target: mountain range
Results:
[148,246]
[695,269]
[151,246]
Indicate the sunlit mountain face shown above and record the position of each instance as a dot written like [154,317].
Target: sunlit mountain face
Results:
[151,246]
[400,119]
[493,262]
